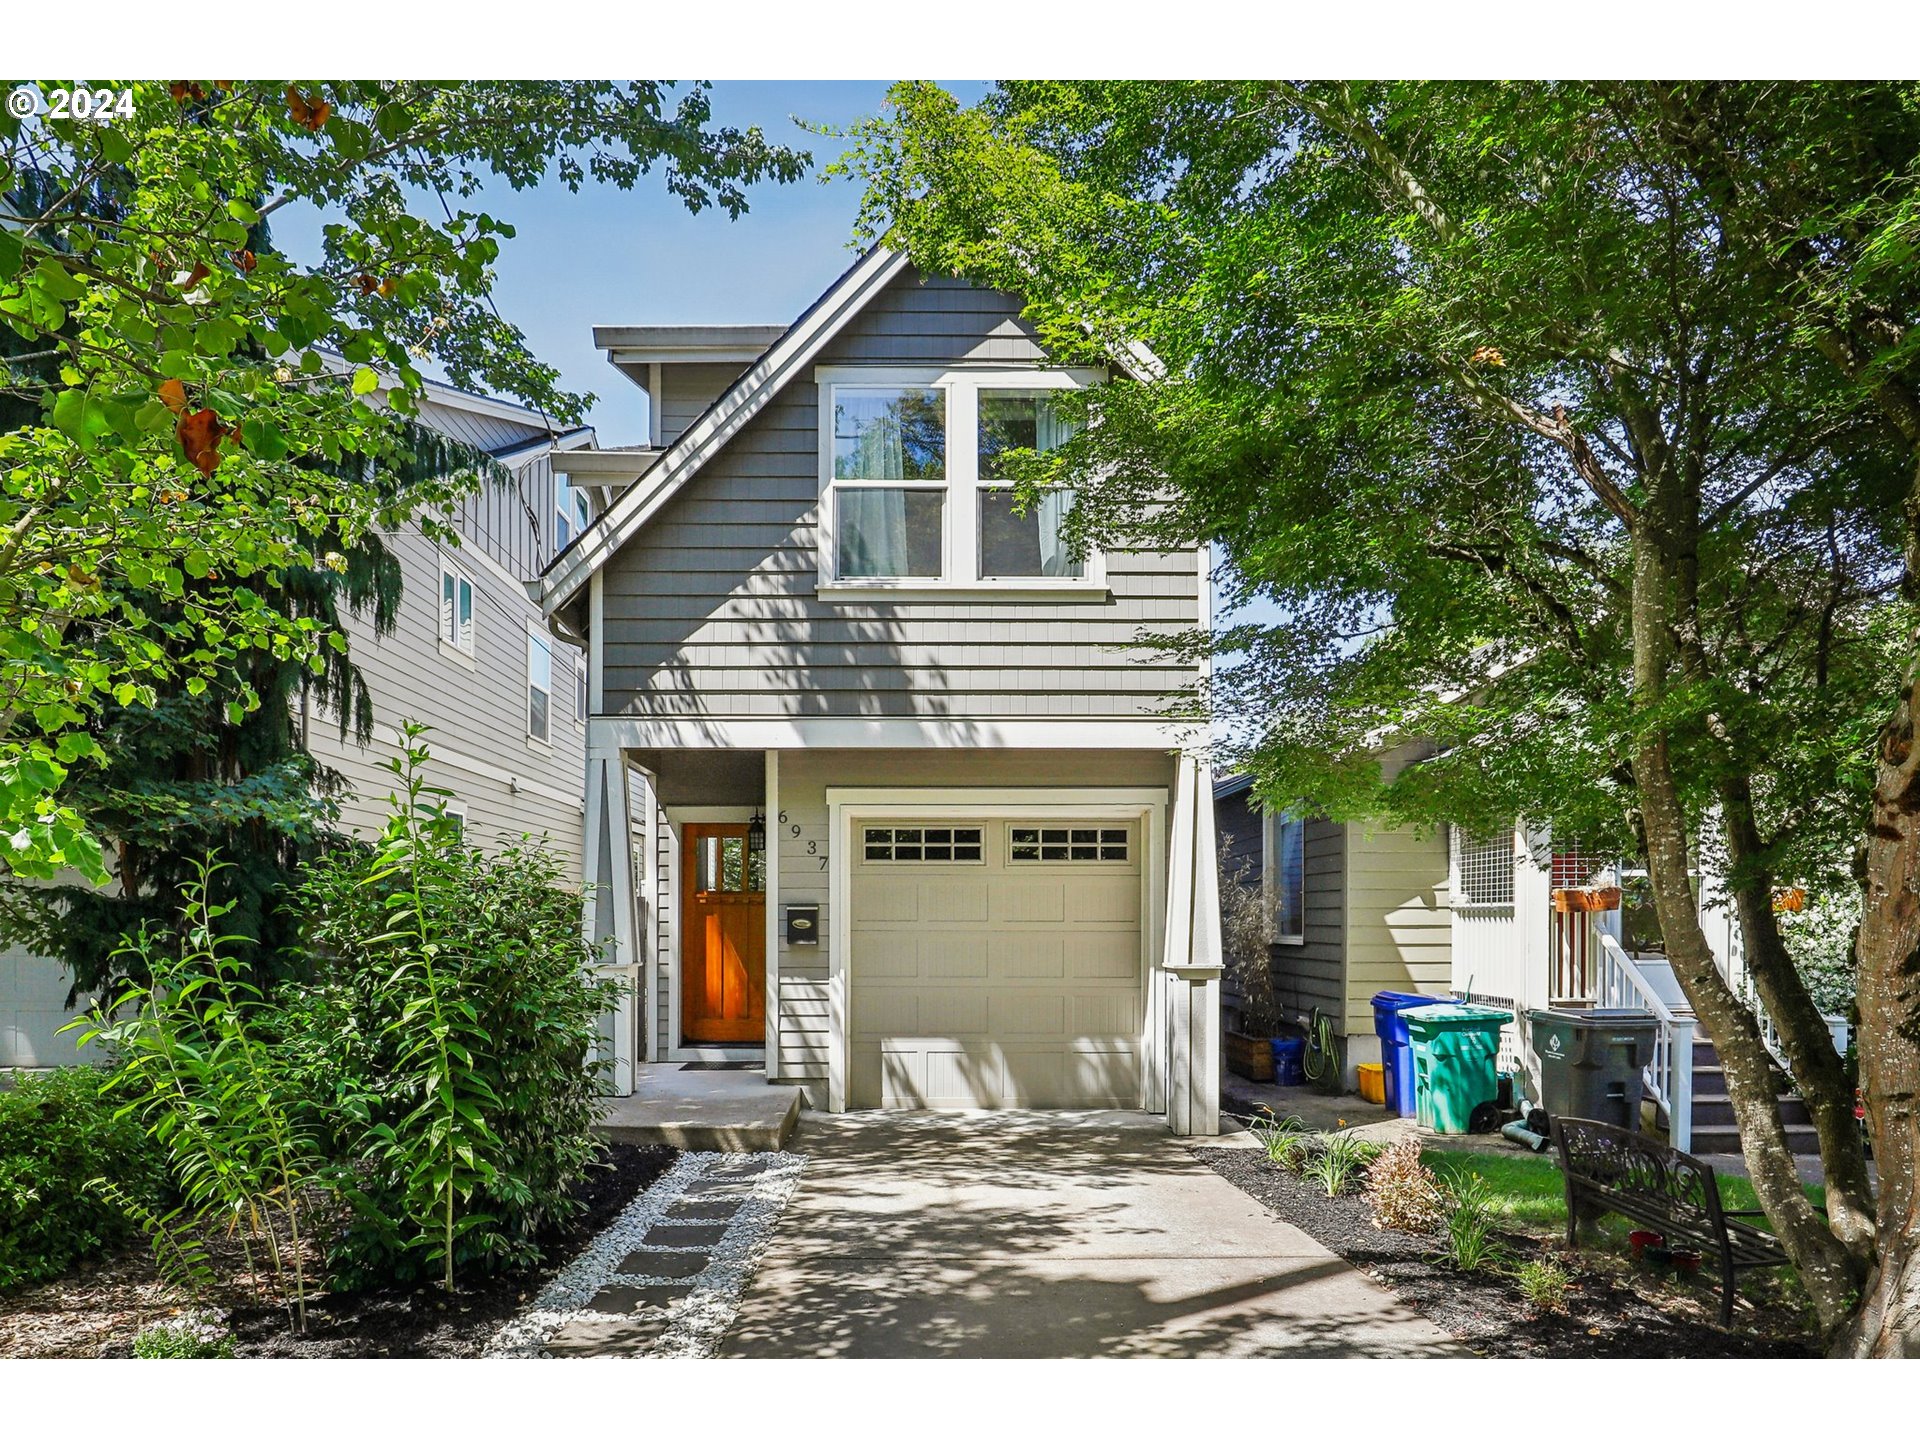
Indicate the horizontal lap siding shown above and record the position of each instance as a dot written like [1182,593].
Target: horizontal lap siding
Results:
[1399,934]
[1308,976]
[685,393]
[476,713]
[711,610]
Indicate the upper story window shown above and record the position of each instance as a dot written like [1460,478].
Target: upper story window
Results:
[571,513]
[456,609]
[915,492]
[539,687]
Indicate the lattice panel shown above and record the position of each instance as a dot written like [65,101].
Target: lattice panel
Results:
[1484,869]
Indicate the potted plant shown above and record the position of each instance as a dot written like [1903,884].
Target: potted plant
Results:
[1249,968]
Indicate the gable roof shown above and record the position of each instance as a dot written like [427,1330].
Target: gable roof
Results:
[787,358]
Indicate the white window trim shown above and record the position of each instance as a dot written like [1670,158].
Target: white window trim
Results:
[1270,873]
[565,511]
[464,654]
[960,577]
[537,636]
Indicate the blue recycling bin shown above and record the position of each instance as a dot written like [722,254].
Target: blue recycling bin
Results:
[1396,1046]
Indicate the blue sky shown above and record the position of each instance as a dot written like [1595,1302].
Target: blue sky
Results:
[607,256]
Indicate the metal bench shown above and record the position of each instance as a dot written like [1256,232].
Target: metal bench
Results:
[1607,1168]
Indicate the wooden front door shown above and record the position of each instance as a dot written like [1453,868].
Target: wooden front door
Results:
[723,955]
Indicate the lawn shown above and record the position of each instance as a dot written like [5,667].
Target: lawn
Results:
[1530,1194]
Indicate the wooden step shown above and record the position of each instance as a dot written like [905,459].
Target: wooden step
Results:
[1718,1110]
[1725,1140]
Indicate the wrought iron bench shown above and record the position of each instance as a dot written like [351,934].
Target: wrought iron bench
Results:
[1607,1168]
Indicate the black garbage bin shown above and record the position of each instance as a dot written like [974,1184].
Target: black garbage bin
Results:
[1591,1062]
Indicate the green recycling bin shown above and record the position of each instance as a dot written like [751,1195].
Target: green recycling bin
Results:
[1456,1054]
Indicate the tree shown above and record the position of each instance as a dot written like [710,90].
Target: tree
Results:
[185,780]
[191,444]
[1475,383]
[1823,184]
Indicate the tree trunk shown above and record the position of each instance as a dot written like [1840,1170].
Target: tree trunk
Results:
[1889,996]
[1819,1072]
[1823,1264]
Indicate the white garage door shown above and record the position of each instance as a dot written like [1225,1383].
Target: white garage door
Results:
[996,964]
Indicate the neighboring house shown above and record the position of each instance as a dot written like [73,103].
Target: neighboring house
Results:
[1516,946]
[880,788]
[470,655]
[1354,908]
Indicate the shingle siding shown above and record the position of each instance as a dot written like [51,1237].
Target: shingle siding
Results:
[711,609]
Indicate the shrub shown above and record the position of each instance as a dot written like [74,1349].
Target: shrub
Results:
[57,1132]
[1336,1159]
[1401,1189]
[1545,1285]
[449,1041]
[1470,1241]
[198,1335]
[201,1071]
[1245,934]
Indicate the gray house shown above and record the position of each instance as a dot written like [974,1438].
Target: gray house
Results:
[469,655]
[879,790]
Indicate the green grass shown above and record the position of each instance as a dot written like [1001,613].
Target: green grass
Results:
[1527,1193]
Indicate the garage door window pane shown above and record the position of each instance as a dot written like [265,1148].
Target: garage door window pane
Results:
[934,845]
[1043,844]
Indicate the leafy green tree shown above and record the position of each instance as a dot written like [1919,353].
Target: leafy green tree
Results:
[1475,382]
[189,444]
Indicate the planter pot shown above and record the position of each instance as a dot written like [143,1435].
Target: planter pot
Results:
[1581,902]
[1249,1056]
[1644,1240]
[1687,1262]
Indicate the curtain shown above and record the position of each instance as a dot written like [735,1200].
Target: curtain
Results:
[1056,560]
[873,533]
[868,438]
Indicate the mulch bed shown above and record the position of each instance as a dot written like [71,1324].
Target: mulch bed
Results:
[96,1309]
[1614,1309]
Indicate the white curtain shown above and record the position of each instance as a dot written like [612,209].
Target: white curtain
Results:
[873,532]
[1056,560]
[871,421]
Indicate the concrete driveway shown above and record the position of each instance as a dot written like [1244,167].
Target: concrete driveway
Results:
[1046,1235]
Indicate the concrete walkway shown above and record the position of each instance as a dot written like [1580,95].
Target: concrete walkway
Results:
[1046,1235]
[691,1108]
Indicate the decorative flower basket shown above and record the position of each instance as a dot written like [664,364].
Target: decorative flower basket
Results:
[1581,902]
[1249,1056]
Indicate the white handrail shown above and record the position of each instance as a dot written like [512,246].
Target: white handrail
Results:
[1669,1073]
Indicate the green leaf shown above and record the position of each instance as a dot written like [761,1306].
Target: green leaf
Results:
[12,247]
[365,382]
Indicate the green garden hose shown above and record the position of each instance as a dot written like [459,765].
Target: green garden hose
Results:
[1321,1060]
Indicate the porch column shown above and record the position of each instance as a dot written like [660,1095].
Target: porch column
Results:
[1191,957]
[611,918]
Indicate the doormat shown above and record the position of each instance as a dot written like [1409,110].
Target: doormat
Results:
[724,1065]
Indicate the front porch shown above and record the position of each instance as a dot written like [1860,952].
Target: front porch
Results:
[911,914]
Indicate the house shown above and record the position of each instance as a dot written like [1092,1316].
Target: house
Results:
[881,791]
[470,655]
[1522,940]
[1356,908]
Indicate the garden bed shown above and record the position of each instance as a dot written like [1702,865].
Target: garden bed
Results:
[96,1309]
[1614,1309]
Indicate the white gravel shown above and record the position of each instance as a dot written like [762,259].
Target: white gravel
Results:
[698,1323]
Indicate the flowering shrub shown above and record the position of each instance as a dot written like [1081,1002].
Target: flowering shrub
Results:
[1402,1190]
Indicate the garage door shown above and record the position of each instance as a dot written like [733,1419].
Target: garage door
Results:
[995,965]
